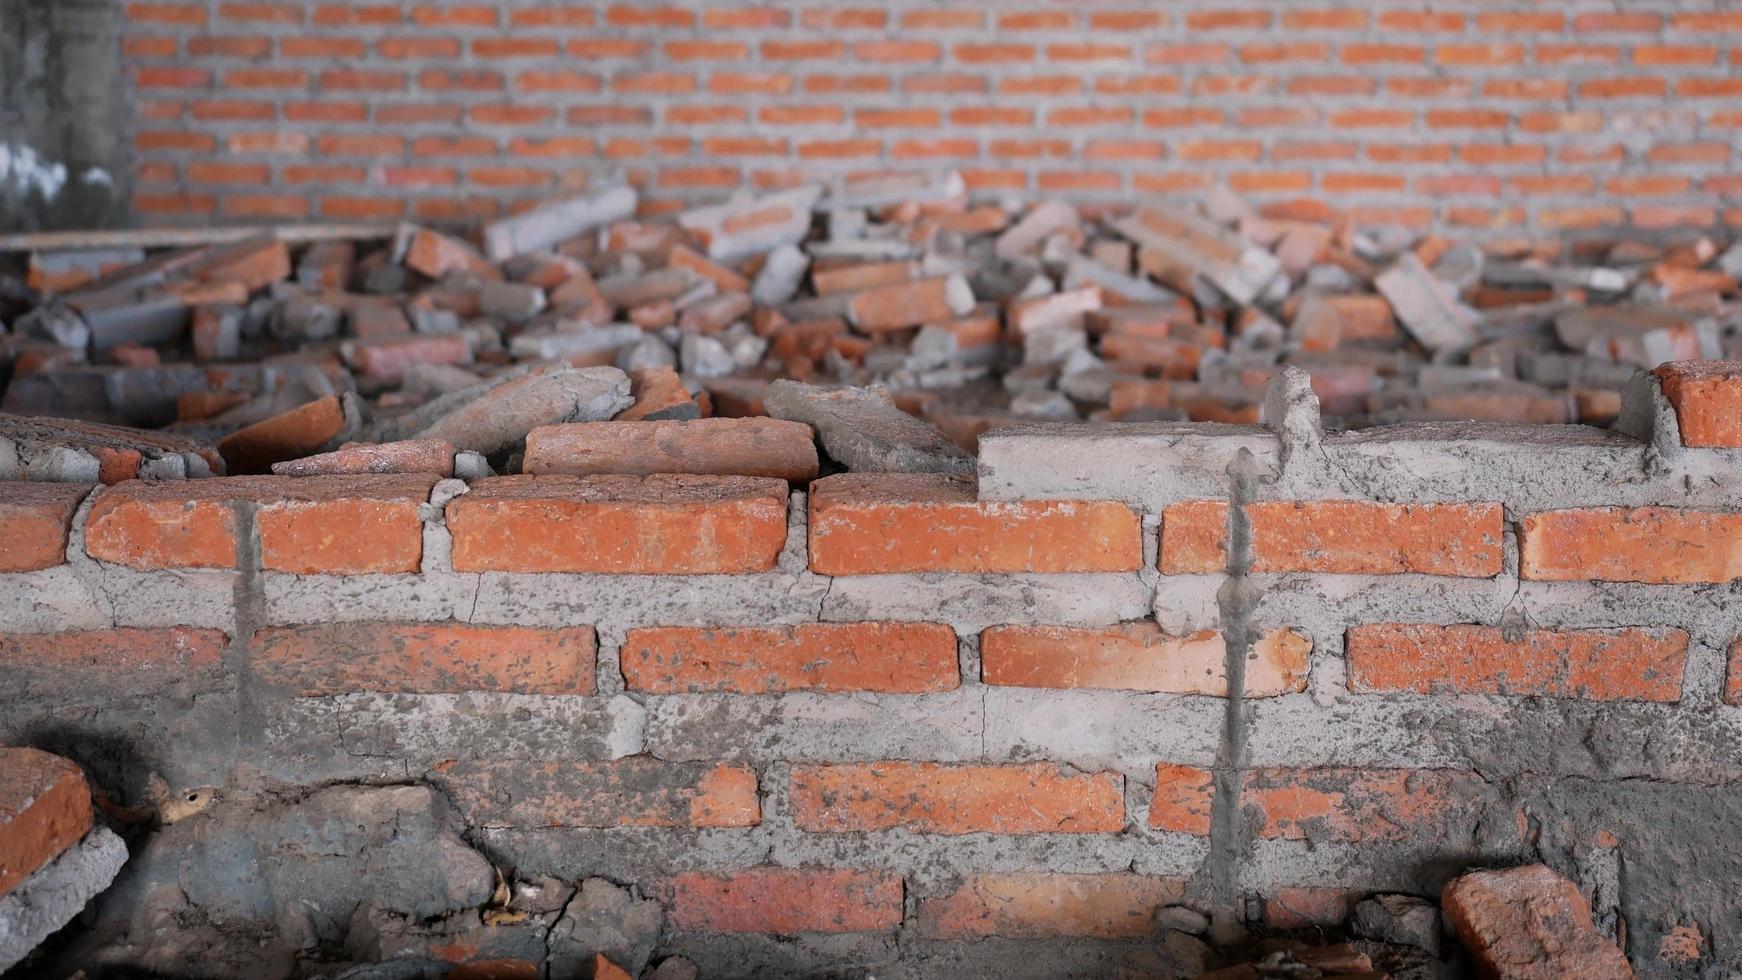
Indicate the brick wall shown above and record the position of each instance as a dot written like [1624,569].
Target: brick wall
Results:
[1476,115]
[1258,669]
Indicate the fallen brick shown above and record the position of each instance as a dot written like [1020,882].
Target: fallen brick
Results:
[303,431]
[1425,306]
[1139,657]
[864,524]
[1529,923]
[910,304]
[436,255]
[500,418]
[45,808]
[660,395]
[718,447]
[657,525]
[935,798]
[557,222]
[424,658]
[901,658]
[389,358]
[414,456]
[864,430]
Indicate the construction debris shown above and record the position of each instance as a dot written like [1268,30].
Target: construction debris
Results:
[910,318]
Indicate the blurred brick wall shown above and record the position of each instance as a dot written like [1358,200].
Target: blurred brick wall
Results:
[1472,115]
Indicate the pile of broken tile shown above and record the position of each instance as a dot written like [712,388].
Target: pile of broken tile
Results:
[437,352]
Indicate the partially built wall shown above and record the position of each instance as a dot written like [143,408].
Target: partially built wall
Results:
[901,723]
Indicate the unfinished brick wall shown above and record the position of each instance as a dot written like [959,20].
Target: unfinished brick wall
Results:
[1481,115]
[1258,669]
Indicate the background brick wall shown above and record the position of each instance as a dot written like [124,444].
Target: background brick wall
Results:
[1475,115]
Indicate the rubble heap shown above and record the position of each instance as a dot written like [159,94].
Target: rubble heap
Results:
[433,353]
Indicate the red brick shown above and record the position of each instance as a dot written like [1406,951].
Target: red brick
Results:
[1138,657]
[869,523]
[903,658]
[1047,906]
[935,798]
[424,658]
[781,901]
[120,664]
[640,791]
[1530,923]
[721,447]
[1733,675]
[661,525]
[1182,800]
[1330,805]
[1659,545]
[337,525]
[1632,664]
[45,808]
[34,521]
[1707,396]
[1340,537]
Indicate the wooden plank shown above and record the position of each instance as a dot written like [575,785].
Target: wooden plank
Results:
[168,237]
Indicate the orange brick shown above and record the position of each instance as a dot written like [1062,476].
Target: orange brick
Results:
[1046,906]
[783,901]
[1138,657]
[45,808]
[1330,805]
[338,525]
[639,791]
[1659,545]
[1707,396]
[903,658]
[1632,664]
[661,525]
[424,658]
[1733,675]
[935,798]
[864,523]
[120,664]
[1340,537]
[1182,800]
[34,521]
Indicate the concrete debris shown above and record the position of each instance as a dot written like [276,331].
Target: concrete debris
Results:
[865,431]
[970,314]
[57,893]
[1401,919]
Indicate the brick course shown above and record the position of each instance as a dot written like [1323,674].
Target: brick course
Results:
[1493,117]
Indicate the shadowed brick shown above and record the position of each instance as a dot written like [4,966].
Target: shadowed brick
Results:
[783,901]
[908,658]
[634,792]
[45,808]
[1043,906]
[425,658]
[934,798]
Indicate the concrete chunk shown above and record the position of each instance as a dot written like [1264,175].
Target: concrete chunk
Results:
[865,431]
